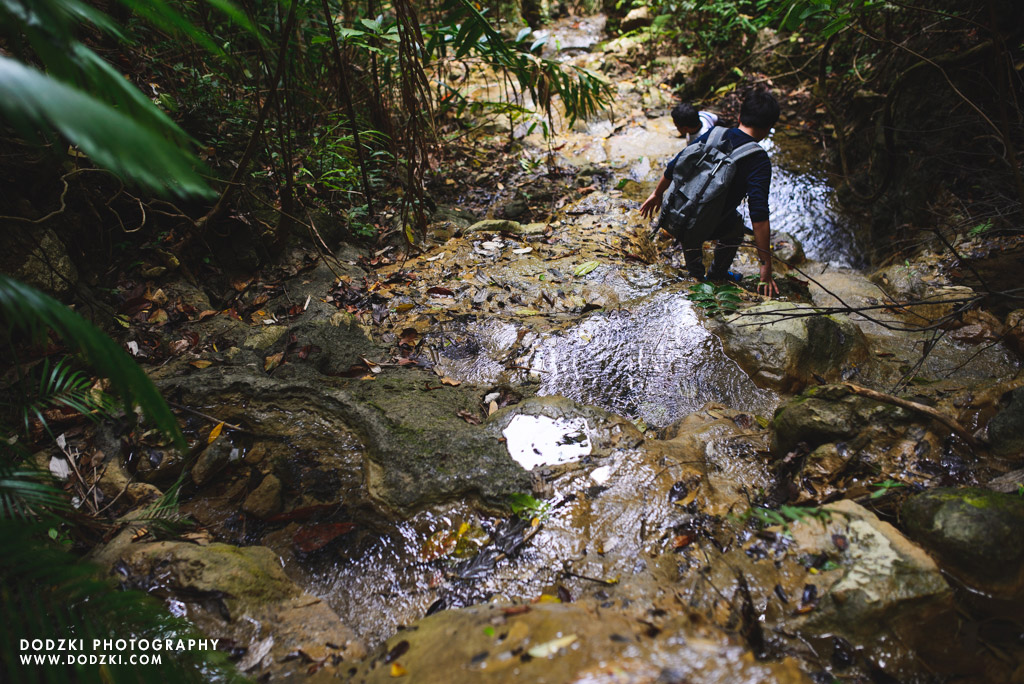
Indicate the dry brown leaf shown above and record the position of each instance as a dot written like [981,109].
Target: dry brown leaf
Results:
[448,381]
[273,361]
[201,363]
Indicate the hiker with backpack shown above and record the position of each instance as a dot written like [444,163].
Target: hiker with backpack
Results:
[692,123]
[708,180]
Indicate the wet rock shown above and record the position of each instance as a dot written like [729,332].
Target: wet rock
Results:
[638,17]
[212,460]
[975,533]
[265,500]
[1006,429]
[566,643]
[495,226]
[47,265]
[416,448]
[901,281]
[851,576]
[1015,331]
[831,413]
[159,466]
[783,348]
[788,249]
[243,596]
[605,431]
[265,337]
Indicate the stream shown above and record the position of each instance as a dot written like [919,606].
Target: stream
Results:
[571,348]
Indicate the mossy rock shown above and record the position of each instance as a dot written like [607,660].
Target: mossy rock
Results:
[975,533]
[831,413]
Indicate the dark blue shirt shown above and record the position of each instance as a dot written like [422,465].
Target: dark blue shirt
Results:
[753,177]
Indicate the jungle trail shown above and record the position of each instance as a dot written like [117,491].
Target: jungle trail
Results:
[335,346]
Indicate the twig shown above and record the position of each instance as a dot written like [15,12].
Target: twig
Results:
[914,406]
[210,418]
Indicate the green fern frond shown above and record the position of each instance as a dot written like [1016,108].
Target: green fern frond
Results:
[46,592]
[27,309]
[63,386]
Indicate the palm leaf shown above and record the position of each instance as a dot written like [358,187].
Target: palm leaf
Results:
[49,593]
[30,99]
[63,386]
[23,307]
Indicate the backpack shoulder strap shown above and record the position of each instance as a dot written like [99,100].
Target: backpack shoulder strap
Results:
[715,136]
[744,150]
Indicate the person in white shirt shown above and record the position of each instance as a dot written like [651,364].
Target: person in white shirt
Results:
[691,123]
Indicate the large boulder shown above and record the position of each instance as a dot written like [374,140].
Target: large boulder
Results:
[240,596]
[46,266]
[416,448]
[788,346]
[833,573]
[832,413]
[566,643]
[975,534]
[1006,429]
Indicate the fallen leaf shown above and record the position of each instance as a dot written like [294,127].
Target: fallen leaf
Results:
[273,361]
[318,535]
[397,670]
[515,610]
[374,367]
[492,407]
[585,268]
[203,315]
[550,648]
[440,292]
[241,284]
[681,541]
[468,417]
[215,432]
[448,381]
[201,363]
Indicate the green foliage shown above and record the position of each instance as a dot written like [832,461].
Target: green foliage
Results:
[528,507]
[715,299]
[48,593]
[980,229]
[466,30]
[824,17]
[27,310]
[60,385]
[89,102]
[785,515]
[884,487]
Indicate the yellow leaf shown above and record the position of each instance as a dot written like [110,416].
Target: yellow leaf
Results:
[448,381]
[201,363]
[552,647]
[397,670]
[463,528]
[548,598]
[215,432]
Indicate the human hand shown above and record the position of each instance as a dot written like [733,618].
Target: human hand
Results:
[650,205]
[767,286]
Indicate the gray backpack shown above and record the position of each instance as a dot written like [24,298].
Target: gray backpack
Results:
[694,203]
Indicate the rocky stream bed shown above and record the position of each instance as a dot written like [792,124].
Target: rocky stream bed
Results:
[698,498]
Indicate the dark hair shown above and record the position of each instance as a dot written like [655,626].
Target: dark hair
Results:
[759,109]
[685,114]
